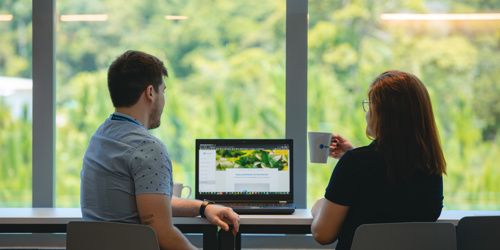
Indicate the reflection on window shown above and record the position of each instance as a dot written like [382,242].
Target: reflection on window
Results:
[226,63]
[451,45]
[15,104]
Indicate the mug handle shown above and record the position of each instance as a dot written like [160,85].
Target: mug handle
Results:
[189,191]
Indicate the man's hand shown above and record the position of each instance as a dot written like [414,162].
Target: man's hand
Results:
[216,214]
[338,146]
[220,216]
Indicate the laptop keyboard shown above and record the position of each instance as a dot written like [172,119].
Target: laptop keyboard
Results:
[256,204]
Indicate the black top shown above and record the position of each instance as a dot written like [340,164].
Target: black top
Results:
[360,181]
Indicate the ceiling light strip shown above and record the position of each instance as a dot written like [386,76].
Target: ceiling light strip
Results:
[84,18]
[176,17]
[430,17]
[6,17]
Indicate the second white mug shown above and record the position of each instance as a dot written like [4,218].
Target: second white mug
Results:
[178,187]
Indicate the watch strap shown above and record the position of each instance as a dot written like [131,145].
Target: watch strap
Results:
[203,206]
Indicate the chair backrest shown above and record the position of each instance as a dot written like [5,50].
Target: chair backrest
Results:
[407,235]
[86,235]
[478,232]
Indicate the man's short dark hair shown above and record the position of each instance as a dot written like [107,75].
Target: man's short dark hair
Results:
[130,74]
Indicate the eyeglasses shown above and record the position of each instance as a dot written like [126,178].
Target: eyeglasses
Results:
[366,105]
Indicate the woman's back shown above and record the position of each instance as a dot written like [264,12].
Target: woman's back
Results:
[397,178]
[360,182]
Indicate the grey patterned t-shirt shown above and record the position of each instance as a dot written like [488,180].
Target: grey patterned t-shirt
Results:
[123,159]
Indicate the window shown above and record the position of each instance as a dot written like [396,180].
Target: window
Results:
[15,104]
[226,64]
[452,46]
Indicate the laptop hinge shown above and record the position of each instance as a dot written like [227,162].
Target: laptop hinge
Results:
[282,202]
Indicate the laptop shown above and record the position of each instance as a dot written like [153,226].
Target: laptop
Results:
[252,176]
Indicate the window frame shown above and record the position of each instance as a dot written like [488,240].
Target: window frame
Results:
[43,150]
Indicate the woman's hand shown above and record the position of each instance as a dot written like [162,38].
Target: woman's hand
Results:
[338,146]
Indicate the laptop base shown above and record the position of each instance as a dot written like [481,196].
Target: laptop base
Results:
[266,209]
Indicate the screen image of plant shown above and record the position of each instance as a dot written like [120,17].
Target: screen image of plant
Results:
[251,159]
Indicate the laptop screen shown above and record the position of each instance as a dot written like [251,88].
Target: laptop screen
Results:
[244,168]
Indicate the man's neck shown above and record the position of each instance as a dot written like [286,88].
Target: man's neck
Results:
[136,112]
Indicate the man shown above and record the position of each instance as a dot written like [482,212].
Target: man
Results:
[127,173]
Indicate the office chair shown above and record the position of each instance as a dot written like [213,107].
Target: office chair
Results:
[478,232]
[84,235]
[407,235]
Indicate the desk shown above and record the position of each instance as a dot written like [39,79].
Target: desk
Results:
[300,223]
[55,220]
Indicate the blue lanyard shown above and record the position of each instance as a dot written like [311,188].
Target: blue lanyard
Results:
[116,117]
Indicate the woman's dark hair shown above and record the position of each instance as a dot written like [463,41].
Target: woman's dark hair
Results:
[130,74]
[402,121]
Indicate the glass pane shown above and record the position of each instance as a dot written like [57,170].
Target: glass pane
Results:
[15,103]
[226,63]
[455,53]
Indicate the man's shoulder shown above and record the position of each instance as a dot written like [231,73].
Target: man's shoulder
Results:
[126,132]
[149,149]
[149,141]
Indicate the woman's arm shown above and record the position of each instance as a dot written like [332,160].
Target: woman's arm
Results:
[328,218]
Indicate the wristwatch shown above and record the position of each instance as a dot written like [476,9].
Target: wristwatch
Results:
[203,206]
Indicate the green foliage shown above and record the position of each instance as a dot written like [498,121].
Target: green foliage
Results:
[231,153]
[246,161]
[223,164]
[15,55]
[226,64]
[15,166]
[250,159]
[350,45]
[269,160]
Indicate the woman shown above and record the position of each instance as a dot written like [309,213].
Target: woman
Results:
[398,177]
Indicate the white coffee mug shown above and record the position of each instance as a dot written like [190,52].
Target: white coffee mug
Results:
[178,187]
[319,146]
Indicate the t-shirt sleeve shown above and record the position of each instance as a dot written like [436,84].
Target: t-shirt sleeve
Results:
[343,182]
[151,169]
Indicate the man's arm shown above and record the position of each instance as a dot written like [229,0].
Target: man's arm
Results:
[185,207]
[155,211]
[217,215]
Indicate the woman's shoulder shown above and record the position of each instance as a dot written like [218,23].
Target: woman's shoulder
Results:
[364,151]
[362,158]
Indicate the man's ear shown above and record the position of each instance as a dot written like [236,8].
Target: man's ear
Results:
[149,93]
